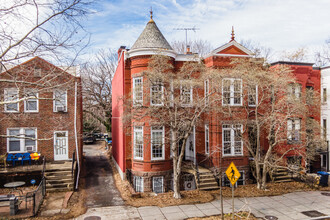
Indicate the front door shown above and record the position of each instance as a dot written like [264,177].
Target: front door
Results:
[190,147]
[61,145]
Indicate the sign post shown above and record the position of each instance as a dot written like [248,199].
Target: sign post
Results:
[233,175]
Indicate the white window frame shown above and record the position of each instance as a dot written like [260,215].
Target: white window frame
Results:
[22,139]
[294,90]
[290,130]
[207,139]
[161,91]
[137,81]
[232,129]
[135,130]
[161,178]
[232,92]
[324,95]
[54,100]
[163,141]
[206,91]
[184,93]
[138,187]
[6,98]
[36,99]
[255,96]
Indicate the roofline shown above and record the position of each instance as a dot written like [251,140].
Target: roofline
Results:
[292,63]
[43,60]
[326,67]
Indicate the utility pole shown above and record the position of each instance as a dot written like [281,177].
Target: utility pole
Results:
[186,30]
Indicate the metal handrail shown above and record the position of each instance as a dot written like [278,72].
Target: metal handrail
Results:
[43,166]
[73,161]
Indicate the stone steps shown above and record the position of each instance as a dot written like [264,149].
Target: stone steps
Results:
[281,175]
[207,181]
[59,180]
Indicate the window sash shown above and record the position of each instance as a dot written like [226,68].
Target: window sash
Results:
[156,93]
[19,143]
[186,95]
[60,99]
[252,95]
[157,144]
[138,183]
[31,104]
[11,95]
[206,91]
[293,130]
[232,92]
[138,90]
[158,184]
[138,143]
[207,141]
[232,140]
[324,99]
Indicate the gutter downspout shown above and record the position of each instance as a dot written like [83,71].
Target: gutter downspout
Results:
[75,131]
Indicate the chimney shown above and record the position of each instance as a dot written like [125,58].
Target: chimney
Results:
[188,50]
[121,48]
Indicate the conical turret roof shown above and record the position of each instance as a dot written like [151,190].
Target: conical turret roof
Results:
[151,37]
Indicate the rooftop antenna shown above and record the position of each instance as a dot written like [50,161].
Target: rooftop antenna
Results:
[187,29]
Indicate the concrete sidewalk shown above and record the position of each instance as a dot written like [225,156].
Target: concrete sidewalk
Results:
[288,206]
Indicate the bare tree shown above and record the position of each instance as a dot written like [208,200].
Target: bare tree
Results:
[258,50]
[200,47]
[97,90]
[322,55]
[275,119]
[298,55]
[36,27]
[176,103]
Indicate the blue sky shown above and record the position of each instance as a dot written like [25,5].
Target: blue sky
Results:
[278,24]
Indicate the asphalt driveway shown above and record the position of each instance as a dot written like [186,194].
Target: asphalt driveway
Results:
[100,187]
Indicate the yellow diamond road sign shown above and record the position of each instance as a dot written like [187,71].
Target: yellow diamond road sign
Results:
[232,173]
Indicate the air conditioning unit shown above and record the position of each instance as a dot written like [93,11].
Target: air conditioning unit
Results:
[30,148]
[60,108]
[189,185]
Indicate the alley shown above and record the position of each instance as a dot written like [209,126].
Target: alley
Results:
[100,187]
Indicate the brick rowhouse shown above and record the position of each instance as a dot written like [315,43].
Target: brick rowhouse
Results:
[144,172]
[46,107]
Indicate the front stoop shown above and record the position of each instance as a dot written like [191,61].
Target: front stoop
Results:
[207,181]
[59,180]
[281,175]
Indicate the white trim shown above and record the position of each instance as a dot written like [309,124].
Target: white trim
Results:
[141,183]
[232,92]
[32,99]
[163,143]
[256,97]
[161,91]
[231,43]
[191,96]
[206,91]
[66,99]
[151,51]
[187,57]
[135,102]
[162,183]
[121,173]
[135,129]
[207,140]
[6,99]
[232,140]
[65,157]
[22,140]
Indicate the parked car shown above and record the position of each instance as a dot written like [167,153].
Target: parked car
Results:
[89,139]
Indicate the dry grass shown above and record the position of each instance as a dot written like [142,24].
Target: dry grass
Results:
[196,196]
[238,216]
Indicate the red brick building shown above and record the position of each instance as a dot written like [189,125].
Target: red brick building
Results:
[41,110]
[128,148]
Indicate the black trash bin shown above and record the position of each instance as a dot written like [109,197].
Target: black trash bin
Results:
[324,178]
